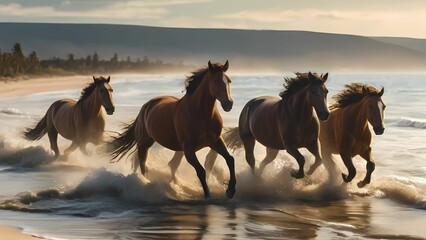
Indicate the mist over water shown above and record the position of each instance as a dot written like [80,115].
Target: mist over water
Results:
[89,197]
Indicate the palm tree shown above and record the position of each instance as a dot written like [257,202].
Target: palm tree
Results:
[18,58]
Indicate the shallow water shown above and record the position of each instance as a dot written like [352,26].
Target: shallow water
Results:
[86,197]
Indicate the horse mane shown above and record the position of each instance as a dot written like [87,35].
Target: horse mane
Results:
[193,81]
[352,93]
[85,93]
[294,84]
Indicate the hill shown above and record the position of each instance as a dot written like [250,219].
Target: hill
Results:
[246,49]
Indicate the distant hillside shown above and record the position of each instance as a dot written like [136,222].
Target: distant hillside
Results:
[246,49]
[413,43]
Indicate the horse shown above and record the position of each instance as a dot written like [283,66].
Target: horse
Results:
[184,125]
[288,123]
[346,132]
[80,121]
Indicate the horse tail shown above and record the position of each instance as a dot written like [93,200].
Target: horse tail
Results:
[232,138]
[125,141]
[38,131]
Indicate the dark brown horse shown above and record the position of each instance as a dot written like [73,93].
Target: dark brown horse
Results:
[80,121]
[287,123]
[346,131]
[184,125]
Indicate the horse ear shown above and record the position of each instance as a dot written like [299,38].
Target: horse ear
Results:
[211,68]
[94,79]
[225,66]
[382,91]
[325,77]
[310,76]
[108,79]
[364,91]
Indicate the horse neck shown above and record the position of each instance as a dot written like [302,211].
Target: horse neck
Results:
[202,100]
[91,106]
[360,114]
[298,106]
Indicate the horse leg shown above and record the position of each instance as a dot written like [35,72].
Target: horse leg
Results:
[248,142]
[370,167]
[314,149]
[53,139]
[271,154]
[209,163]
[174,163]
[71,148]
[347,160]
[294,152]
[84,150]
[201,173]
[219,147]
[143,153]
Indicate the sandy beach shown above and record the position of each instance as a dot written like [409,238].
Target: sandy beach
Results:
[12,233]
[45,84]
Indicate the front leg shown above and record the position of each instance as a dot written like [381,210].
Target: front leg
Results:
[314,149]
[370,167]
[219,147]
[293,151]
[347,160]
[83,149]
[201,173]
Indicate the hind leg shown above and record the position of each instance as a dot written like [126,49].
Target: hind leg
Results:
[313,148]
[271,154]
[174,163]
[370,168]
[53,139]
[143,153]
[209,163]
[249,142]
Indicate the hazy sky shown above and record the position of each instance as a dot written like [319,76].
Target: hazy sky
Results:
[363,17]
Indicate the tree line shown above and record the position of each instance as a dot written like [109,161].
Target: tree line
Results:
[16,63]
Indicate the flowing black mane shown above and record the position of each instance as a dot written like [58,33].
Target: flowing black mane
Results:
[353,93]
[294,84]
[193,81]
[85,93]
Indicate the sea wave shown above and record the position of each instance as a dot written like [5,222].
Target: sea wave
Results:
[407,122]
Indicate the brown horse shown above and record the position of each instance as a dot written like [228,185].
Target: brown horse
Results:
[346,131]
[288,123]
[184,125]
[80,121]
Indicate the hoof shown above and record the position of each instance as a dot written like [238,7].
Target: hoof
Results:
[346,178]
[361,184]
[297,174]
[230,193]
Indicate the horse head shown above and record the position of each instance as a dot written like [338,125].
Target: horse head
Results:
[104,93]
[318,95]
[375,110]
[220,85]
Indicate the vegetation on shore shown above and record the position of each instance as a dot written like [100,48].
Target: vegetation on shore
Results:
[16,64]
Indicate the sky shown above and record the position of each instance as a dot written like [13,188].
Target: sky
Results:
[398,18]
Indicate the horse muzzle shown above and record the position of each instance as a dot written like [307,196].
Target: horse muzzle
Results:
[110,111]
[323,116]
[227,105]
[379,130]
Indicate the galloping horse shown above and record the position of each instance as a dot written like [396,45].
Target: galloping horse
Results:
[184,125]
[346,131]
[288,123]
[80,121]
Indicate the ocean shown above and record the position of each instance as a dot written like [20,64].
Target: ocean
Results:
[87,197]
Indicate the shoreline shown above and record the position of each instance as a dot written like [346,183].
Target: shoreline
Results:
[15,233]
